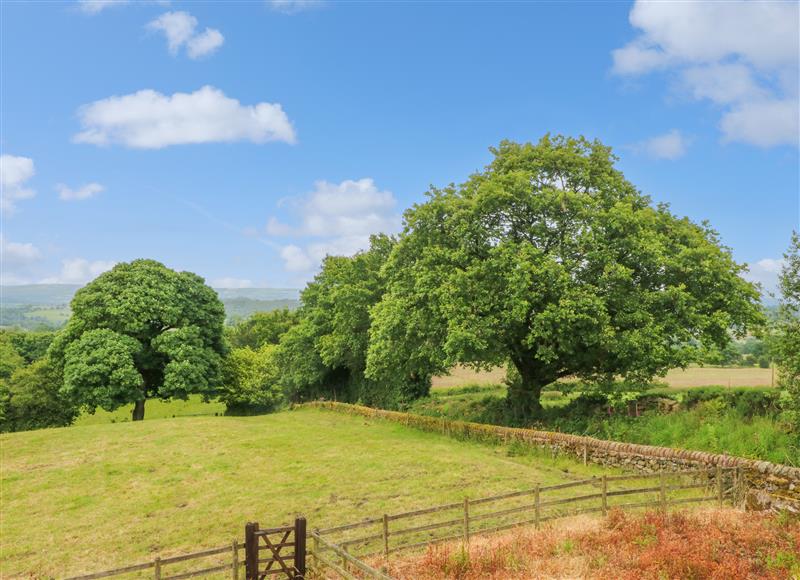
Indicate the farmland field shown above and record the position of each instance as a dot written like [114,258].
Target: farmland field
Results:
[110,495]
[678,378]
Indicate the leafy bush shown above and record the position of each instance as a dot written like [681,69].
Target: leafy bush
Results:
[252,385]
[32,399]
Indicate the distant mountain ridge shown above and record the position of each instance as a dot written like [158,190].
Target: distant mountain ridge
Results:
[58,294]
[47,305]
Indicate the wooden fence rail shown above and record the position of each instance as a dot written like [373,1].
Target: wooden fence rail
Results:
[546,503]
[342,548]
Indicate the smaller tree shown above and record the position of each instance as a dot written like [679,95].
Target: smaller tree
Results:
[138,331]
[787,339]
[252,385]
[32,399]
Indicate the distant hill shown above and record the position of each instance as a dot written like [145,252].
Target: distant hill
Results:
[34,306]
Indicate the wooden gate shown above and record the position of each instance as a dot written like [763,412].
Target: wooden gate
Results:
[271,543]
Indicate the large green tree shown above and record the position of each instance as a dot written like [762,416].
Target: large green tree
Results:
[551,261]
[325,354]
[787,340]
[139,331]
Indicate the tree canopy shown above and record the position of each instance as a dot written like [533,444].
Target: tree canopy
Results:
[551,261]
[326,353]
[139,331]
[262,328]
[788,327]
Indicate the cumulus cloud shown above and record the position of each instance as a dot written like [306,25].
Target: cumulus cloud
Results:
[671,145]
[150,120]
[338,218]
[180,29]
[84,192]
[95,6]
[79,271]
[14,172]
[16,261]
[232,283]
[739,55]
[17,254]
[766,273]
[293,6]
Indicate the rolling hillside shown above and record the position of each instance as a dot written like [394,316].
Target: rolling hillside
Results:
[34,306]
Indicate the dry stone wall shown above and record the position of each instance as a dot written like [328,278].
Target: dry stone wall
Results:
[769,485]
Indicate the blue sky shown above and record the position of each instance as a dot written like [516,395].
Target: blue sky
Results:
[243,141]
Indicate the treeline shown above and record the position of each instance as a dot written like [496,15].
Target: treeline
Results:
[547,261]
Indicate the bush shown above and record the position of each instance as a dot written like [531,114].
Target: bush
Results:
[32,399]
[252,381]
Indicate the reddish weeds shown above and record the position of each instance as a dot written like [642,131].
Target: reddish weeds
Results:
[718,544]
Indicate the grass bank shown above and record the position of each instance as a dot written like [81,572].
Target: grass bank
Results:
[712,425]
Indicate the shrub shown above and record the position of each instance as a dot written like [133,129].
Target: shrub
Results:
[252,382]
[32,399]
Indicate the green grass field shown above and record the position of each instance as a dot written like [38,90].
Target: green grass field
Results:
[92,497]
[156,409]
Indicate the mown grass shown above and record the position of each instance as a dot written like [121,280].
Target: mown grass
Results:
[194,406]
[92,497]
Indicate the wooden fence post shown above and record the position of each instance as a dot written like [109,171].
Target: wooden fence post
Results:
[300,548]
[719,485]
[386,536]
[466,520]
[537,506]
[663,484]
[157,568]
[235,561]
[251,551]
[604,497]
[316,547]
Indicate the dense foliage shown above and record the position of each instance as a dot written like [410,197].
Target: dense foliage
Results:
[787,342]
[31,399]
[261,328]
[550,260]
[252,384]
[325,354]
[137,331]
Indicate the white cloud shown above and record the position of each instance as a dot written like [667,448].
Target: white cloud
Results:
[79,271]
[339,218]
[766,273]
[180,30]
[232,283]
[293,6]
[14,172]
[296,259]
[204,43]
[84,192]
[15,254]
[16,260]
[740,55]
[764,123]
[671,145]
[150,120]
[95,6]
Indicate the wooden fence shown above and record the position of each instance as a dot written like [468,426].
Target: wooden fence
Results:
[341,549]
[384,535]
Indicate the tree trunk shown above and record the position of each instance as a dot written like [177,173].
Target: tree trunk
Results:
[524,394]
[138,411]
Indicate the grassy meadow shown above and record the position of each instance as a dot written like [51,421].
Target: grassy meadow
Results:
[107,495]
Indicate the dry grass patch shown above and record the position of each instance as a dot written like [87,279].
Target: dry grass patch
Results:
[714,544]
